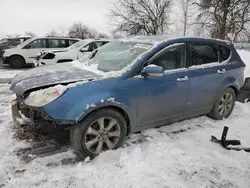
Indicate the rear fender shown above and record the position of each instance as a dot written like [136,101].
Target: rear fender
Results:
[228,82]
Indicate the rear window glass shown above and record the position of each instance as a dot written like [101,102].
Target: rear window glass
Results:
[203,54]
[224,53]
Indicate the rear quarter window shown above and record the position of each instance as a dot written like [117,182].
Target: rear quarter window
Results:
[72,42]
[203,53]
[224,52]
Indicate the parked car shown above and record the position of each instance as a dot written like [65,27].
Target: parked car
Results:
[25,53]
[73,52]
[7,43]
[242,46]
[127,86]
[244,94]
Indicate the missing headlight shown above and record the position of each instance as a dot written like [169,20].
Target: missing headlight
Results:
[49,56]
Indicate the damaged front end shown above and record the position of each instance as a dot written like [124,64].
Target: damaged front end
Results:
[35,120]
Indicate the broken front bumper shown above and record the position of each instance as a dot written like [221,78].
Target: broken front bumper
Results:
[28,119]
[21,122]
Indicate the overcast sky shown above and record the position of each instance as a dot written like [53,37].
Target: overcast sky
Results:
[41,16]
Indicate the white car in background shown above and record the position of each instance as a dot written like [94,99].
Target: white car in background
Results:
[76,51]
[25,53]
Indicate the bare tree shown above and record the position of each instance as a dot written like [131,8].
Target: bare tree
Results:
[63,31]
[186,15]
[79,30]
[148,17]
[30,33]
[52,33]
[224,19]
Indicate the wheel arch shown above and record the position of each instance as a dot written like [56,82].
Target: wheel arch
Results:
[19,55]
[235,89]
[124,112]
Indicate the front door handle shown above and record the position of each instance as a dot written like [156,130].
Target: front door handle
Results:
[182,79]
[223,71]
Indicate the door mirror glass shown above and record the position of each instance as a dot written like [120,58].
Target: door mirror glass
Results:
[152,70]
[84,49]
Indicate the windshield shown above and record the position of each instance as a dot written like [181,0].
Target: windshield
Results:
[116,55]
[25,42]
[78,44]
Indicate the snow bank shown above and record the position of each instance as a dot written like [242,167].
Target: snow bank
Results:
[245,56]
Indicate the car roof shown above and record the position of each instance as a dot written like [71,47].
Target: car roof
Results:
[103,39]
[34,38]
[157,39]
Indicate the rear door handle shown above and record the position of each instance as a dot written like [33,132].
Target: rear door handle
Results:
[223,71]
[182,79]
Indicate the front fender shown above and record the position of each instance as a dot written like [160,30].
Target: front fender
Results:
[75,108]
[109,102]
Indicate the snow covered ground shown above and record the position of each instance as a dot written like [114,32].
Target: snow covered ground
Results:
[177,155]
[7,73]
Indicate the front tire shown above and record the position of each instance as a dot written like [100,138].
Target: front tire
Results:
[17,62]
[224,106]
[102,130]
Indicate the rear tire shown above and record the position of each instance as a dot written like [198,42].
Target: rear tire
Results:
[17,62]
[224,106]
[102,130]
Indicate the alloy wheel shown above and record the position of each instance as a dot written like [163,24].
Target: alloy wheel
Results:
[103,134]
[226,104]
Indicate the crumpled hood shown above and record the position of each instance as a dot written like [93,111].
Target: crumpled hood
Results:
[50,75]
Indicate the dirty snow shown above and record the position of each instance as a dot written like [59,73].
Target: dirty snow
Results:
[178,155]
[7,73]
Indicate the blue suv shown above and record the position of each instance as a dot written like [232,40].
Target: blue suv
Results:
[126,86]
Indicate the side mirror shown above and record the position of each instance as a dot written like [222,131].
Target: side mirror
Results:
[152,70]
[85,49]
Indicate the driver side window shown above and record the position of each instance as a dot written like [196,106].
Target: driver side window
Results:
[172,57]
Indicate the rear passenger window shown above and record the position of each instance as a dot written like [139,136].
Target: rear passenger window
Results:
[203,54]
[224,53]
[57,43]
